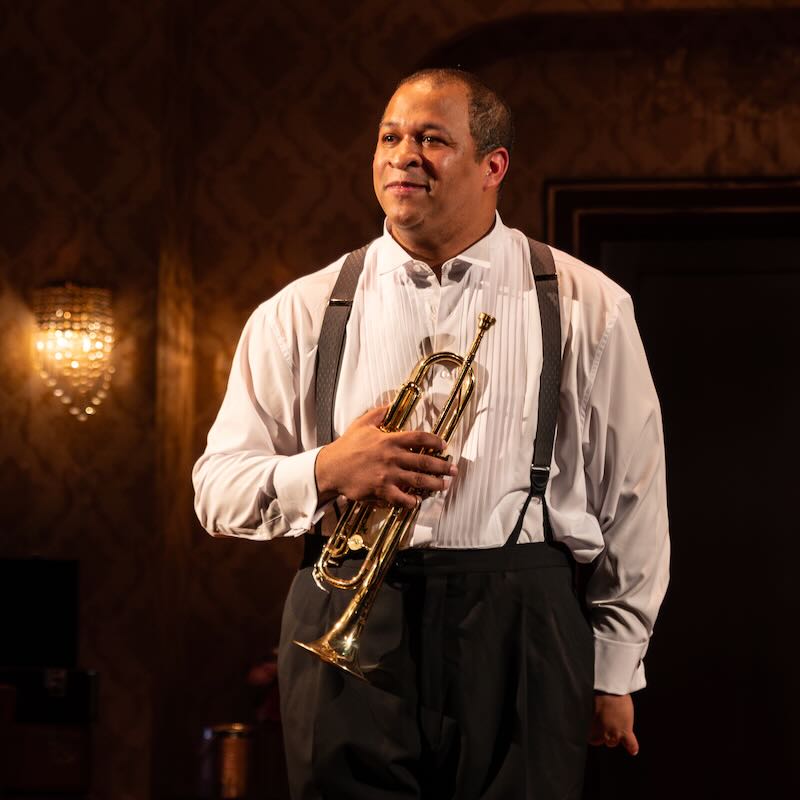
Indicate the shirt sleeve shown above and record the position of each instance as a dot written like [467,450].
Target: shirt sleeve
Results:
[624,467]
[254,478]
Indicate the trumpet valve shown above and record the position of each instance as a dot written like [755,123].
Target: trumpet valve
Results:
[356,542]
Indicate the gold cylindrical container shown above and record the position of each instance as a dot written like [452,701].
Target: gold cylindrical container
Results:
[226,761]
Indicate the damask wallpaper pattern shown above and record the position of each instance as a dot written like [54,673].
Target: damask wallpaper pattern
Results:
[79,191]
[270,144]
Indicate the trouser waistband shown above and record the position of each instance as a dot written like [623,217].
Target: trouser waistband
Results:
[495,559]
[422,561]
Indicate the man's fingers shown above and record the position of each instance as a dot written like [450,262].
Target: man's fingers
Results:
[421,481]
[407,440]
[374,416]
[397,497]
[630,742]
[613,738]
[430,465]
[415,440]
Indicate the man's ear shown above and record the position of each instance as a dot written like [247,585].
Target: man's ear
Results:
[496,164]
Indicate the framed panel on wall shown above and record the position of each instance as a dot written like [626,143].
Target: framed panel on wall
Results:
[714,271]
[602,222]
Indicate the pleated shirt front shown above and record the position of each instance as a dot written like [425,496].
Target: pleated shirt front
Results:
[401,314]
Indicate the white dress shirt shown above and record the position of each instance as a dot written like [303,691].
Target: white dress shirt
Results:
[607,490]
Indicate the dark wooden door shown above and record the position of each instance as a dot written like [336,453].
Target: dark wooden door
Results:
[718,306]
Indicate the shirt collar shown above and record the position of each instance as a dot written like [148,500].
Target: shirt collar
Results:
[392,256]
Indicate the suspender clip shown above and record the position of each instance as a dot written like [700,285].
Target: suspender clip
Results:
[539,478]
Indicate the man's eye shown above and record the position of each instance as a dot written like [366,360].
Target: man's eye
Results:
[389,138]
[430,139]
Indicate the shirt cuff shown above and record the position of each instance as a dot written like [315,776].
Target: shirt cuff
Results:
[296,491]
[618,666]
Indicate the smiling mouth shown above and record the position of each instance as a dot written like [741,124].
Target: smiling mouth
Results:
[405,187]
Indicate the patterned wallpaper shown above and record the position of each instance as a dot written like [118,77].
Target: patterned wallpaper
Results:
[80,96]
[268,134]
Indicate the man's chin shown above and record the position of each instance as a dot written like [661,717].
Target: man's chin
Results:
[404,220]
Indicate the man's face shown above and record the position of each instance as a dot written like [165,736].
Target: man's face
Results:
[425,174]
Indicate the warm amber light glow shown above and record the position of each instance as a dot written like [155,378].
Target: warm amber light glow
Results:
[73,343]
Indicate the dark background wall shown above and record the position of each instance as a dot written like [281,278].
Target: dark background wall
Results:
[196,156]
[81,91]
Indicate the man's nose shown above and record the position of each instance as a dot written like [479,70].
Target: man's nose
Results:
[406,154]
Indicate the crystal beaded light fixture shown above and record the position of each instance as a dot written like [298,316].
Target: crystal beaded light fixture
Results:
[73,343]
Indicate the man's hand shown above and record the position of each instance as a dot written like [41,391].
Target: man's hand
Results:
[612,722]
[366,463]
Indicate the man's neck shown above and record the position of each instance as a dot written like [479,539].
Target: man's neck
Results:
[434,254]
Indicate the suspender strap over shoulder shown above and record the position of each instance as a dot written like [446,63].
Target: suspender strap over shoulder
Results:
[331,342]
[544,273]
[330,348]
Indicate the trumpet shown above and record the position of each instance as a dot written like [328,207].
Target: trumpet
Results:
[339,646]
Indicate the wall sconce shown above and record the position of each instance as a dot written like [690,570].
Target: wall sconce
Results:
[73,342]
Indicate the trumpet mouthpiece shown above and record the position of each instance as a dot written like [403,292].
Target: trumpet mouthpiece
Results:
[485,321]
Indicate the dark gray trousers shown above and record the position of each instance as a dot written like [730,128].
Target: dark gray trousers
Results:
[484,689]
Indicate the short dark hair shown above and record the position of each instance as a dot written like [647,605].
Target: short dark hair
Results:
[490,121]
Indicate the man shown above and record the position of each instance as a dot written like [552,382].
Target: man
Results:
[484,686]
